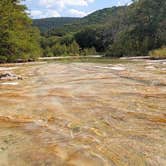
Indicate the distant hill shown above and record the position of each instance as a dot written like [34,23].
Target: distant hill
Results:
[103,16]
[96,19]
[70,24]
[47,24]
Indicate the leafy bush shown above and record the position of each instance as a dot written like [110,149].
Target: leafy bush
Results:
[88,51]
[3,59]
[158,53]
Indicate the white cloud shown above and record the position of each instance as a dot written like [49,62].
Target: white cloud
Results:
[36,13]
[77,13]
[52,13]
[124,2]
[44,14]
[63,3]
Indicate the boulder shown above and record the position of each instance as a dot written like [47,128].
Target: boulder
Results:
[9,76]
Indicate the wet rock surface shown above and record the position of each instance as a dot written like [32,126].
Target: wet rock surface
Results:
[85,114]
[9,76]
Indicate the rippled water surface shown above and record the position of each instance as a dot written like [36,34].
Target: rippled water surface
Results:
[84,114]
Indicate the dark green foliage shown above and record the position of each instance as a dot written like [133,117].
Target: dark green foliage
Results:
[63,46]
[131,31]
[3,59]
[97,19]
[86,38]
[142,31]
[67,39]
[47,24]
[19,41]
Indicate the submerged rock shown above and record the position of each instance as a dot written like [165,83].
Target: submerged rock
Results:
[9,76]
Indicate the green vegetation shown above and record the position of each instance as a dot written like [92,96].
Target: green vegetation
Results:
[158,53]
[64,46]
[47,24]
[19,41]
[100,18]
[132,30]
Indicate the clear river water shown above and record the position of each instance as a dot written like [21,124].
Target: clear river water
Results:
[98,113]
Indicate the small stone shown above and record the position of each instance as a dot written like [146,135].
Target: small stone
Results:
[9,76]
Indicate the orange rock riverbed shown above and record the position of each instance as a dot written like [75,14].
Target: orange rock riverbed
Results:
[84,114]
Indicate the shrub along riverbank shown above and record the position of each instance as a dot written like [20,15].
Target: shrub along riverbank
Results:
[19,40]
[158,53]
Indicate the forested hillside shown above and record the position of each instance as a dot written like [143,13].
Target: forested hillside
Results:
[132,30]
[19,41]
[99,18]
[47,24]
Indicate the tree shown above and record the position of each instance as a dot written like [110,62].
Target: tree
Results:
[144,29]
[74,48]
[59,50]
[86,38]
[19,40]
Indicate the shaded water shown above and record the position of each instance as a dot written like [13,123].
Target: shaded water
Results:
[84,114]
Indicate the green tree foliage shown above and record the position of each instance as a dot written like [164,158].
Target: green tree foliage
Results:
[98,38]
[47,52]
[47,24]
[67,39]
[74,49]
[57,46]
[18,40]
[144,29]
[132,30]
[59,50]
[88,51]
[86,38]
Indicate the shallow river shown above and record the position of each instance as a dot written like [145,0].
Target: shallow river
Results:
[84,114]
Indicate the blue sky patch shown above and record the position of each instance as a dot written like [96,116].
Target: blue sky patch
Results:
[68,8]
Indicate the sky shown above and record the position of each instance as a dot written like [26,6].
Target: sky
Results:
[68,8]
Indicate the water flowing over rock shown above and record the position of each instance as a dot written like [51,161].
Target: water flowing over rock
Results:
[85,114]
